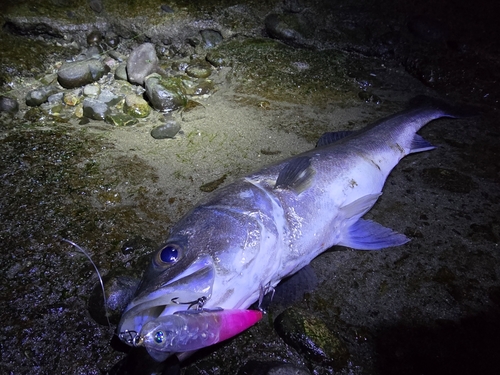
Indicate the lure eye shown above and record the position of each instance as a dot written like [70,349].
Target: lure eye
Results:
[170,254]
[159,337]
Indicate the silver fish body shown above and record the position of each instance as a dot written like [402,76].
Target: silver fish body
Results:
[247,236]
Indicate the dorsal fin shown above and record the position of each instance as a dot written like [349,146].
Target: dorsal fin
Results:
[296,175]
[332,137]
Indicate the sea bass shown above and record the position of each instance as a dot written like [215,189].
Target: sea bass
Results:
[245,237]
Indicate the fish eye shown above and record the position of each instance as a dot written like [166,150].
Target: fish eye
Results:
[168,255]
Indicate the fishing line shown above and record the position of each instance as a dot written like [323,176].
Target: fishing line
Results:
[98,274]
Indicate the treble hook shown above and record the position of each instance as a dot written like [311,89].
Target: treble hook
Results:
[133,338]
[263,292]
[198,303]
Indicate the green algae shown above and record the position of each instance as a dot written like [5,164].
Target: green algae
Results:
[62,10]
[310,335]
[79,12]
[29,57]
[214,5]
[288,74]
[62,182]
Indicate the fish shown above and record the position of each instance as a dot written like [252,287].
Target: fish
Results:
[239,242]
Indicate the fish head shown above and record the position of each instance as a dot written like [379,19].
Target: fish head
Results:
[174,280]
[204,263]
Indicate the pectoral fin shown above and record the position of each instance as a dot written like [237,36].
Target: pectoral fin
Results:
[359,207]
[296,175]
[368,235]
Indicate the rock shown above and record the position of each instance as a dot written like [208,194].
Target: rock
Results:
[80,73]
[72,98]
[94,38]
[96,5]
[271,368]
[110,62]
[310,336]
[56,98]
[291,28]
[164,94]
[121,72]
[112,40]
[49,79]
[167,9]
[95,109]
[79,110]
[92,90]
[53,108]
[197,87]
[217,59]
[167,130]
[108,97]
[201,87]
[40,95]
[93,52]
[180,66]
[117,56]
[121,119]
[199,70]
[119,291]
[210,38]
[8,105]
[136,106]
[141,63]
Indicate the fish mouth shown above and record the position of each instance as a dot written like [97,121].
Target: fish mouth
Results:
[191,287]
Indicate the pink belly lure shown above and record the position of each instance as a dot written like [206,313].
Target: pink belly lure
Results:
[191,330]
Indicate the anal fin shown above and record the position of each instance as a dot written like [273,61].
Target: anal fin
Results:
[418,144]
[369,235]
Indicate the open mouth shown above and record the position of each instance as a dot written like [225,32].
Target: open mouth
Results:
[189,289]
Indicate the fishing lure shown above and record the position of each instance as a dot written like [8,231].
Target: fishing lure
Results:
[192,329]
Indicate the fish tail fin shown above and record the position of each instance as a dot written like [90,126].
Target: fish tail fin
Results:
[448,110]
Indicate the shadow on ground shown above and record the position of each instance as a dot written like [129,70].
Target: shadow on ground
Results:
[470,346]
